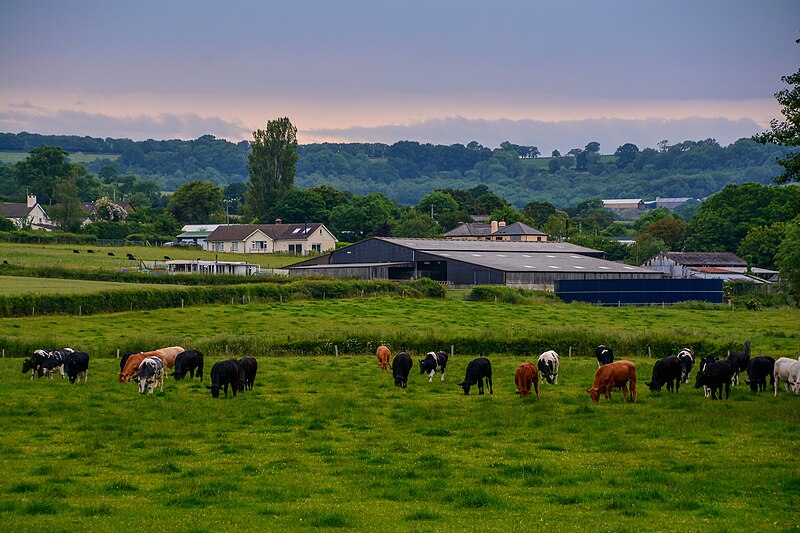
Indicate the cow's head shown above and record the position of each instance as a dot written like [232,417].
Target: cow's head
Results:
[28,365]
[654,386]
[594,394]
[466,386]
[423,367]
[699,380]
[215,390]
[753,385]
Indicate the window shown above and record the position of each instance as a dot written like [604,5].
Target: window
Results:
[317,248]
[234,246]
[258,246]
[217,246]
[295,248]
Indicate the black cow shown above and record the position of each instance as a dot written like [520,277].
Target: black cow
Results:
[739,361]
[401,366]
[76,364]
[248,377]
[604,355]
[225,373]
[433,361]
[715,375]
[111,254]
[188,362]
[667,370]
[686,357]
[757,371]
[477,369]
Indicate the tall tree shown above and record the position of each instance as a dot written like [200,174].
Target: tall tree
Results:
[196,202]
[788,257]
[272,166]
[43,169]
[787,133]
[67,211]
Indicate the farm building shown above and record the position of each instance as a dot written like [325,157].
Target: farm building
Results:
[30,214]
[672,203]
[707,265]
[196,234]
[533,265]
[624,204]
[196,266]
[496,231]
[300,239]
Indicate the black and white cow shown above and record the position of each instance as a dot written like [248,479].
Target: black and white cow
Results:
[44,362]
[188,362]
[248,376]
[686,357]
[604,355]
[401,366]
[715,375]
[76,364]
[548,366]
[224,373]
[433,361]
[757,371]
[666,371]
[477,369]
[739,361]
[151,374]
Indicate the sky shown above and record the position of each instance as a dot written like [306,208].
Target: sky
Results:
[556,74]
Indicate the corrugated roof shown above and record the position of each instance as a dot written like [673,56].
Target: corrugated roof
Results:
[437,245]
[542,262]
[276,232]
[702,259]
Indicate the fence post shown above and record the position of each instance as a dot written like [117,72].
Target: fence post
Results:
[649,353]
[570,351]
[117,353]
[80,310]
[452,350]
[181,303]
[336,347]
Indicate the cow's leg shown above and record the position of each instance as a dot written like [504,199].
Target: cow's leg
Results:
[480,385]
[489,381]
[441,378]
[727,391]
[430,375]
[555,378]
[624,389]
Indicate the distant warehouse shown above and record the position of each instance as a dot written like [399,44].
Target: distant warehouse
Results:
[531,265]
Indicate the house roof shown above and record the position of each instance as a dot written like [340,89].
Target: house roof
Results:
[15,210]
[706,259]
[276,232]
[88,206]
[518,228]
[469,229]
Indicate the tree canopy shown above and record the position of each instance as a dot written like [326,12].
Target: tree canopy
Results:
[272,167]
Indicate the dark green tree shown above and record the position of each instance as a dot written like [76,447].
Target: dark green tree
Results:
[301,206]
[67,212]
[761,244]
[358,218]
[787,132]
[196,202]
[272,166]
[417,224]
[6,224]
[626,154]
[539,212]
[671,231]
[43,169]
[788,258]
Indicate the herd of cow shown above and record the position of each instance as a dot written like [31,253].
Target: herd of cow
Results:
[148,368]
[713,374]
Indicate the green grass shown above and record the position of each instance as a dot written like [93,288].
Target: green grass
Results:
[11,285]
[329,443]
[62,255]
[10,158]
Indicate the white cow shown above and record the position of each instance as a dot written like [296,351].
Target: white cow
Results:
[787,370]
[548,366]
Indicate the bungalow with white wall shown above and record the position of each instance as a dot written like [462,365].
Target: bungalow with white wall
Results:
[300,239]
[27,215]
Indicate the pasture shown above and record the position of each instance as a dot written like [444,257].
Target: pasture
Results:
[327,442]
[12,285]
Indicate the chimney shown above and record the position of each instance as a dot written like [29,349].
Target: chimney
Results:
[277,221]
[494,226]
[31,200]
[502,223]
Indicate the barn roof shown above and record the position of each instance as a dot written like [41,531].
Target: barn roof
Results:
[706,259]
[438,245]
[540,262]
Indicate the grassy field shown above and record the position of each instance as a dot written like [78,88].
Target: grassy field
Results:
[62,255]
[11,158]
[330,443]
[10,285]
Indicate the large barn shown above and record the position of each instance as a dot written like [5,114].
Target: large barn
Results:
[533,265]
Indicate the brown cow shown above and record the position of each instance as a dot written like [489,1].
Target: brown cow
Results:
[526,374]
[131,368]
[383,355]
[168,355]
[616,374]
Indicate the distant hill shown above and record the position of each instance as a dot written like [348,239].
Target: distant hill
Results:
[406,171]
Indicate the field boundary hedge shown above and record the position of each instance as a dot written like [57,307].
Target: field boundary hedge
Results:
[148,299]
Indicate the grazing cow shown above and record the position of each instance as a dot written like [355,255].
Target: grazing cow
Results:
[526,375]
[44,361]
[383,354]
[757,372]
[76,251]
[89,251]
[715,375]
[401,366]
[76,364]
[225,373]
[548,366]
[188,362]
[131,368]
[125,360]
[151,374]
[248,375]
[686,357]
[131,257]
[167,258]
[615,374]
[704,362]
[739,361]
[433,361]
[111,254]
[666,370]
[168,355]
[787,370]
[604,355]
[477,369]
